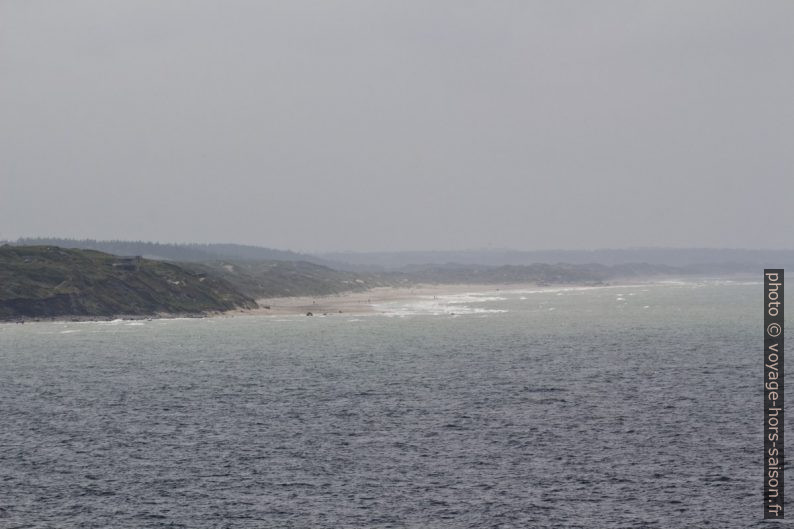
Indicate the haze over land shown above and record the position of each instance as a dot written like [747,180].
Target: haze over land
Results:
[363,264]
[376,126]
[61,278]
[702,260]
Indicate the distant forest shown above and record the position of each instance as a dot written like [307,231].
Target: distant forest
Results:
[173,252]
[686,260]
[704,258]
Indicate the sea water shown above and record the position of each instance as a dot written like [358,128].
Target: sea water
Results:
[619,406]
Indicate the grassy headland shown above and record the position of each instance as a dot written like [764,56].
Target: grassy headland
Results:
[52,282]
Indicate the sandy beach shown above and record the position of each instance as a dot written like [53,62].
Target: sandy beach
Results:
[367,302]
[380,300]
[351,303]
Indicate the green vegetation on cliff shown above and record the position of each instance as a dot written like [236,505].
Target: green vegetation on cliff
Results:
[48,281]
[272,279]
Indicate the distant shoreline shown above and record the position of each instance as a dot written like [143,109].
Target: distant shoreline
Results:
[350,303]
[366,302]
[370,301]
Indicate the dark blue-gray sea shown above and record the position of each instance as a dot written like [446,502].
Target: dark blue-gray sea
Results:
[622,406]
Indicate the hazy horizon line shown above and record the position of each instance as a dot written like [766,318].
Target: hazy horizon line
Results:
[436,250]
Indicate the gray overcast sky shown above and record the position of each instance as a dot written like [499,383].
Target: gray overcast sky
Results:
[374,125]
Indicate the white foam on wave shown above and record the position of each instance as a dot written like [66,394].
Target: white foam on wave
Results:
[448,305]
[737,283]
[561,290]
[707,282]
[469,297]
[443,305]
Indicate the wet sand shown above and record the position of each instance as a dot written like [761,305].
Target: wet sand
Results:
[367,302]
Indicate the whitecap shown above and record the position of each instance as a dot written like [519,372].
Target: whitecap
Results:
[430,308]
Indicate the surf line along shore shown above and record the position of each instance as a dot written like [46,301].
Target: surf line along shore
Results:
[369,301]
[372,301]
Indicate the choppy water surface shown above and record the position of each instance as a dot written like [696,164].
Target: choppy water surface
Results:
[608,407]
